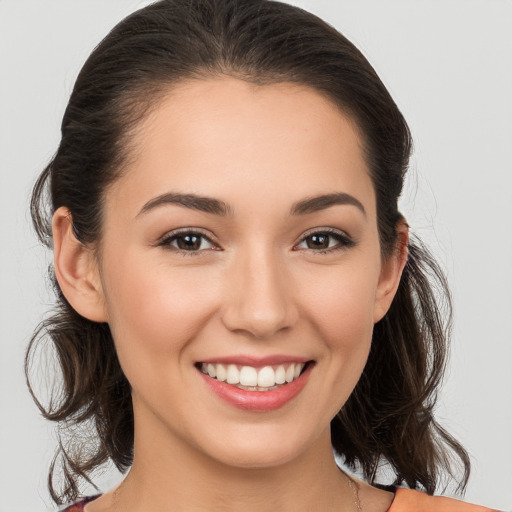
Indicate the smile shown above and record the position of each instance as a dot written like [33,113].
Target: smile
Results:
[256,385]
[252,378]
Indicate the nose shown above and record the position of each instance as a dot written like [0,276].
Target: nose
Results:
[259,298]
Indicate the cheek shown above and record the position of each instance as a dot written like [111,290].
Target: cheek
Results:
[153,311]
[341,316]
[343,306]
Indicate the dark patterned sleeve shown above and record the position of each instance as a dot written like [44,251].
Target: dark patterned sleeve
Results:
[79,505]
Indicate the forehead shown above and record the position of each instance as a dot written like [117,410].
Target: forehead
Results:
[223,135]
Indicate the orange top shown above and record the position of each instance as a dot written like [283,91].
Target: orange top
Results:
[407,500]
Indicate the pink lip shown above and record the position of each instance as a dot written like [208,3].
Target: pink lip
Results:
[256,362]
[257,401]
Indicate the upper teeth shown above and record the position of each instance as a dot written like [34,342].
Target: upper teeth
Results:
[265,377]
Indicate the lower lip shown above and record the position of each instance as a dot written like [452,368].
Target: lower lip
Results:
[258,401]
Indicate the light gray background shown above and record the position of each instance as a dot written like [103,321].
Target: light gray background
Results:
[448,64]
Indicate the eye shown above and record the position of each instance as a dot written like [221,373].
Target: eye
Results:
[187,241]
[325,241]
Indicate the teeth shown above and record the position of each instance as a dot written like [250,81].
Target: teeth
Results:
[280,375]
[233,375]
[248,377]
[221,372]
[266,377]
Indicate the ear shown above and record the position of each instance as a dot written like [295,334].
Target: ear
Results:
[76,269]
[391,272]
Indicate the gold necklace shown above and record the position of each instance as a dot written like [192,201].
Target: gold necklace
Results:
[115,497]
[355,492]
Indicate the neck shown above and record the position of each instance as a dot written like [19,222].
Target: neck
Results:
[172,475]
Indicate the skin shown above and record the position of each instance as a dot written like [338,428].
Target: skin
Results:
[257,287]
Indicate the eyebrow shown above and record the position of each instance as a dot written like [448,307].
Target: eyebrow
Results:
[322,202]
[218,207]
[193,201]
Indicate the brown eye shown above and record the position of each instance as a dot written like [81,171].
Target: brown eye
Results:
[187,242]
[320,241]
[324,241]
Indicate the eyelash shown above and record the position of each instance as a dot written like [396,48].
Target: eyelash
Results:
[168,239]
[343,241]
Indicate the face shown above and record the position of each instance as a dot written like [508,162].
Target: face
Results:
[241,271]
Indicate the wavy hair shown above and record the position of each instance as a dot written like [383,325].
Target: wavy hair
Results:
[388,418]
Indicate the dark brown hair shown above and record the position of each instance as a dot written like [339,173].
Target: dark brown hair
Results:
[388,419]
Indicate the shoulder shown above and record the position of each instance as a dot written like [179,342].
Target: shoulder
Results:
[79,505]
[407,500]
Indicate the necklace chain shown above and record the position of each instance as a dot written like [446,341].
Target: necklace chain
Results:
[355,492]
[115,497]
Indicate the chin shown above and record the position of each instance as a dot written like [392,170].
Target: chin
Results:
[257,458]
[262,449]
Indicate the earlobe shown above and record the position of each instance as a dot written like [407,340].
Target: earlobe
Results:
[391,272]
[76,269]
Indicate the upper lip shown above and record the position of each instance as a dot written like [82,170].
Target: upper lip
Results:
[257,362]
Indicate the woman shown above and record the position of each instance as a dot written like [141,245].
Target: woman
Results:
[238,291]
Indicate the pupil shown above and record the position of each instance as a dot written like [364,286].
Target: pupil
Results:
[318,242]
[188,242]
